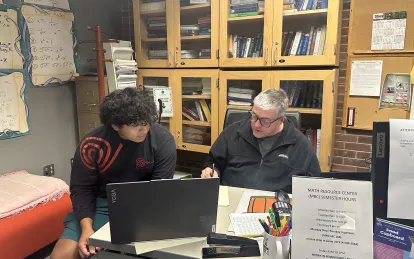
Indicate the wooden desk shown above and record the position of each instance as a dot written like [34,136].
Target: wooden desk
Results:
[176,248]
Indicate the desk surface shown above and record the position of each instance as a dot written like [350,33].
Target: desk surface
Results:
[187,246]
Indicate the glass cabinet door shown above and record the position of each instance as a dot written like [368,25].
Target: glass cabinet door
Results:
[197,109]
[153,24]
[148,79]
[306,33]
[246,33]
[238,90]
[312,93]
[196,33]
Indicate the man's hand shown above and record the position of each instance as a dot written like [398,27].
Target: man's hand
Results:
[84,249]
[208,173]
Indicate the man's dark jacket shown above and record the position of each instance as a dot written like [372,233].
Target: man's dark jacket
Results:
[237,158]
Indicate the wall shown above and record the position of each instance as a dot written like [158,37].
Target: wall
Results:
[52,139]
[52,118]
[352,147]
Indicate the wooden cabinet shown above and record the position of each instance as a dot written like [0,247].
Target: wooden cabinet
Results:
[194,124]
[171,34]
[315,99]
[276,37]
[87,103]
[196,134]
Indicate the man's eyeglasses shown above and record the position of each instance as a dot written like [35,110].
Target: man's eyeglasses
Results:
[265,122]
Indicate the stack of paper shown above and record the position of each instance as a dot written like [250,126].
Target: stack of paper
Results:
[121,72]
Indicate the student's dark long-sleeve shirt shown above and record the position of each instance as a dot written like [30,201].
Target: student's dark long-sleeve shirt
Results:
[103,157]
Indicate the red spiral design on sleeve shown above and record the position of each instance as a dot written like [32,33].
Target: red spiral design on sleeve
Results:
[95,153]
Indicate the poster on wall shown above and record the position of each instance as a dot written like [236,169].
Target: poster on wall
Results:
[62,4]
[13,108]
[10,53]
[51,45]
[366,77]
[388,30]
[396,92]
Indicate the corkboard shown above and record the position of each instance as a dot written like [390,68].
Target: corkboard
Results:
[360,26]
[367,108]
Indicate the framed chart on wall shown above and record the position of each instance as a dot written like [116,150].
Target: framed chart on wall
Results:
[10,52]
[62,4]
[51,46]
[13,108]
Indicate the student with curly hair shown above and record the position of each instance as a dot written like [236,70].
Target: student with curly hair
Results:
[128,147]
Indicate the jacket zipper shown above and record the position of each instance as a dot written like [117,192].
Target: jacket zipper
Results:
[260,166]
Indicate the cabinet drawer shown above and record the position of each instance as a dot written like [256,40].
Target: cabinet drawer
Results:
[87,95]
[87,123]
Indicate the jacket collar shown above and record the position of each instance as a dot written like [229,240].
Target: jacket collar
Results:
[287,137]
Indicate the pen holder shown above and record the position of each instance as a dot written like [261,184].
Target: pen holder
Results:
[276,247]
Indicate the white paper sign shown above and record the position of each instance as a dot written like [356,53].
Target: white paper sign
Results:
[165,95]
[388,31]
[12,107]
[9,58]
[63,4]
[401,168]
[366,78]
[332,219]
[51,44]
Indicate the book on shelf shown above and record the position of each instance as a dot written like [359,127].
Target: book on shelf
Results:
[305,5]
[149,6]
[205,54]
[301,43]
[157,27]
[206,84]
[303,94]
[245,47]
[196,135]
[196,110]
[314,137]
[240,96]
[241,2]
[189,30]
[199,1]
[204,24]
[160,54]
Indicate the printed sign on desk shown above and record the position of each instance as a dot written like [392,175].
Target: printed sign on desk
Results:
[332,219]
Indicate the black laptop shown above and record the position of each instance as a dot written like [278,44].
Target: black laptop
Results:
[162,209]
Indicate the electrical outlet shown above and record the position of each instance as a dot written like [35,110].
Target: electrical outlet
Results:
[49,170]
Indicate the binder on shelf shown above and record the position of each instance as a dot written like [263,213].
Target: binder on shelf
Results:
[121,72]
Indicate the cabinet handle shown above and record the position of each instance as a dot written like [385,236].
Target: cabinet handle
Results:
[275,55]
[169,56]
[90,104]
[266,52]
[175,57]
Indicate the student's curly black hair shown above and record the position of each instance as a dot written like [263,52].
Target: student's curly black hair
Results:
[129,106]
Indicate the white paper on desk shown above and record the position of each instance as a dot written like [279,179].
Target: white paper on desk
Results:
[366,77]
[224,196]
[401,169]
[332,219]
[245,199]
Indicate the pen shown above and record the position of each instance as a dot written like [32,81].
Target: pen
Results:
[212,173]
[264,225]
[276,219]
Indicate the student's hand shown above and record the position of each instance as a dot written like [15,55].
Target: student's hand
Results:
[86,250]
[208,173]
